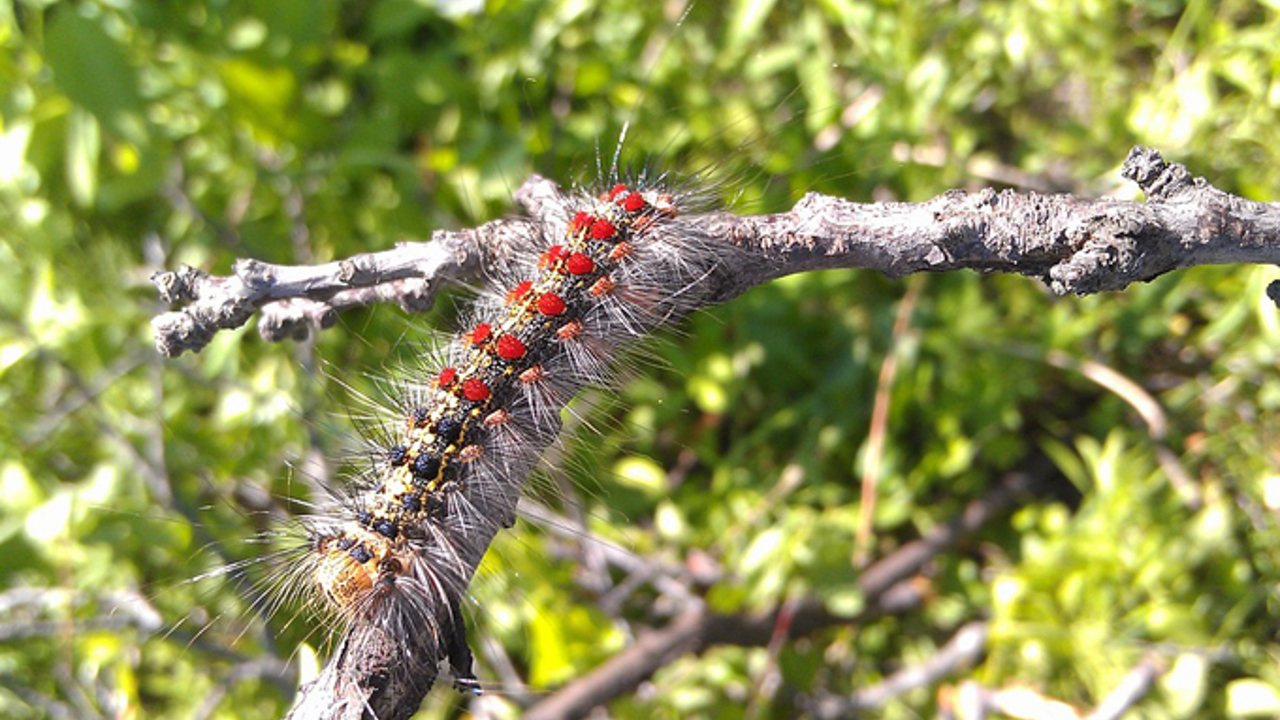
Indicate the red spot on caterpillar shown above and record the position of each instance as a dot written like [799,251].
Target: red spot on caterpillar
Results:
[550,304]
[510,347]
[570,330]
[579,264]
[633,203]
[480,334]
[550,257]
[497,417]
[532,375]
[470,452]
[518,292]
[581,220]
[602,286]
[602,229]
[447,376]
[475,390]
[615,192]
[620,251]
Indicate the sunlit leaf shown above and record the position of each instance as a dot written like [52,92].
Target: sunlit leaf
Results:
[92,69]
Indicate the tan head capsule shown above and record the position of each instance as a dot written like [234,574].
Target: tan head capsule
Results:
[342,580]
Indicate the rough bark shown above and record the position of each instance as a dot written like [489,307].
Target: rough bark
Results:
[1075,245]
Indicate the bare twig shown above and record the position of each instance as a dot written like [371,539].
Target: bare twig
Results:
[694,632]
[1076,245]
[1131,690]
[52,708]
[972,700]
[268,668]
[42,611]
[962,650]
[880,424]
[1024,703]
[1136,397]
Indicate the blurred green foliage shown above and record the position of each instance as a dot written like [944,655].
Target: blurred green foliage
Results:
[141,134]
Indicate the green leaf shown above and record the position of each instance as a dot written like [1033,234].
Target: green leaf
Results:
[1251,697]
[263,95]
[746,20]
[92,69]
[83,145]
[1185,684]
[763,550]
[641,473]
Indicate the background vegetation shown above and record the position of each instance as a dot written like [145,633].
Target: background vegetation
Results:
[140,134]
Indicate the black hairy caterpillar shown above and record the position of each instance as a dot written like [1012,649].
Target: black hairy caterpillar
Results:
[396,555]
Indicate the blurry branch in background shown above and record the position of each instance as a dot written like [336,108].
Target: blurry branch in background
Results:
[1075,245]
[1136,397]
[964,649]
[890,586]
[971,701]
[27,613]
[874,455]
[267,668]
[32,612]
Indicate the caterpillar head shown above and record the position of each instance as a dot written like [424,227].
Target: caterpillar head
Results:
[351,565]
[341,580]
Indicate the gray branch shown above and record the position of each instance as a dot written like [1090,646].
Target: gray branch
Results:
[1075,245]
[963,649]
[972,700]
[1132,689]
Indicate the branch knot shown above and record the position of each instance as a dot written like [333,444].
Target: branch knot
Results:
[256,276]
[179,285]
[1160,180]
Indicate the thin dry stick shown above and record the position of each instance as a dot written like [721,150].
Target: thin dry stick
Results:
[973,701]
[1135,686]
[1136,397]
[880,425]
[962,650]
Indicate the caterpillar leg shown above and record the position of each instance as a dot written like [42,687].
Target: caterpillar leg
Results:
[460,659]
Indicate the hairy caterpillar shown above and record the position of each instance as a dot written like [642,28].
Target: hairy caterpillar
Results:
[395,553]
